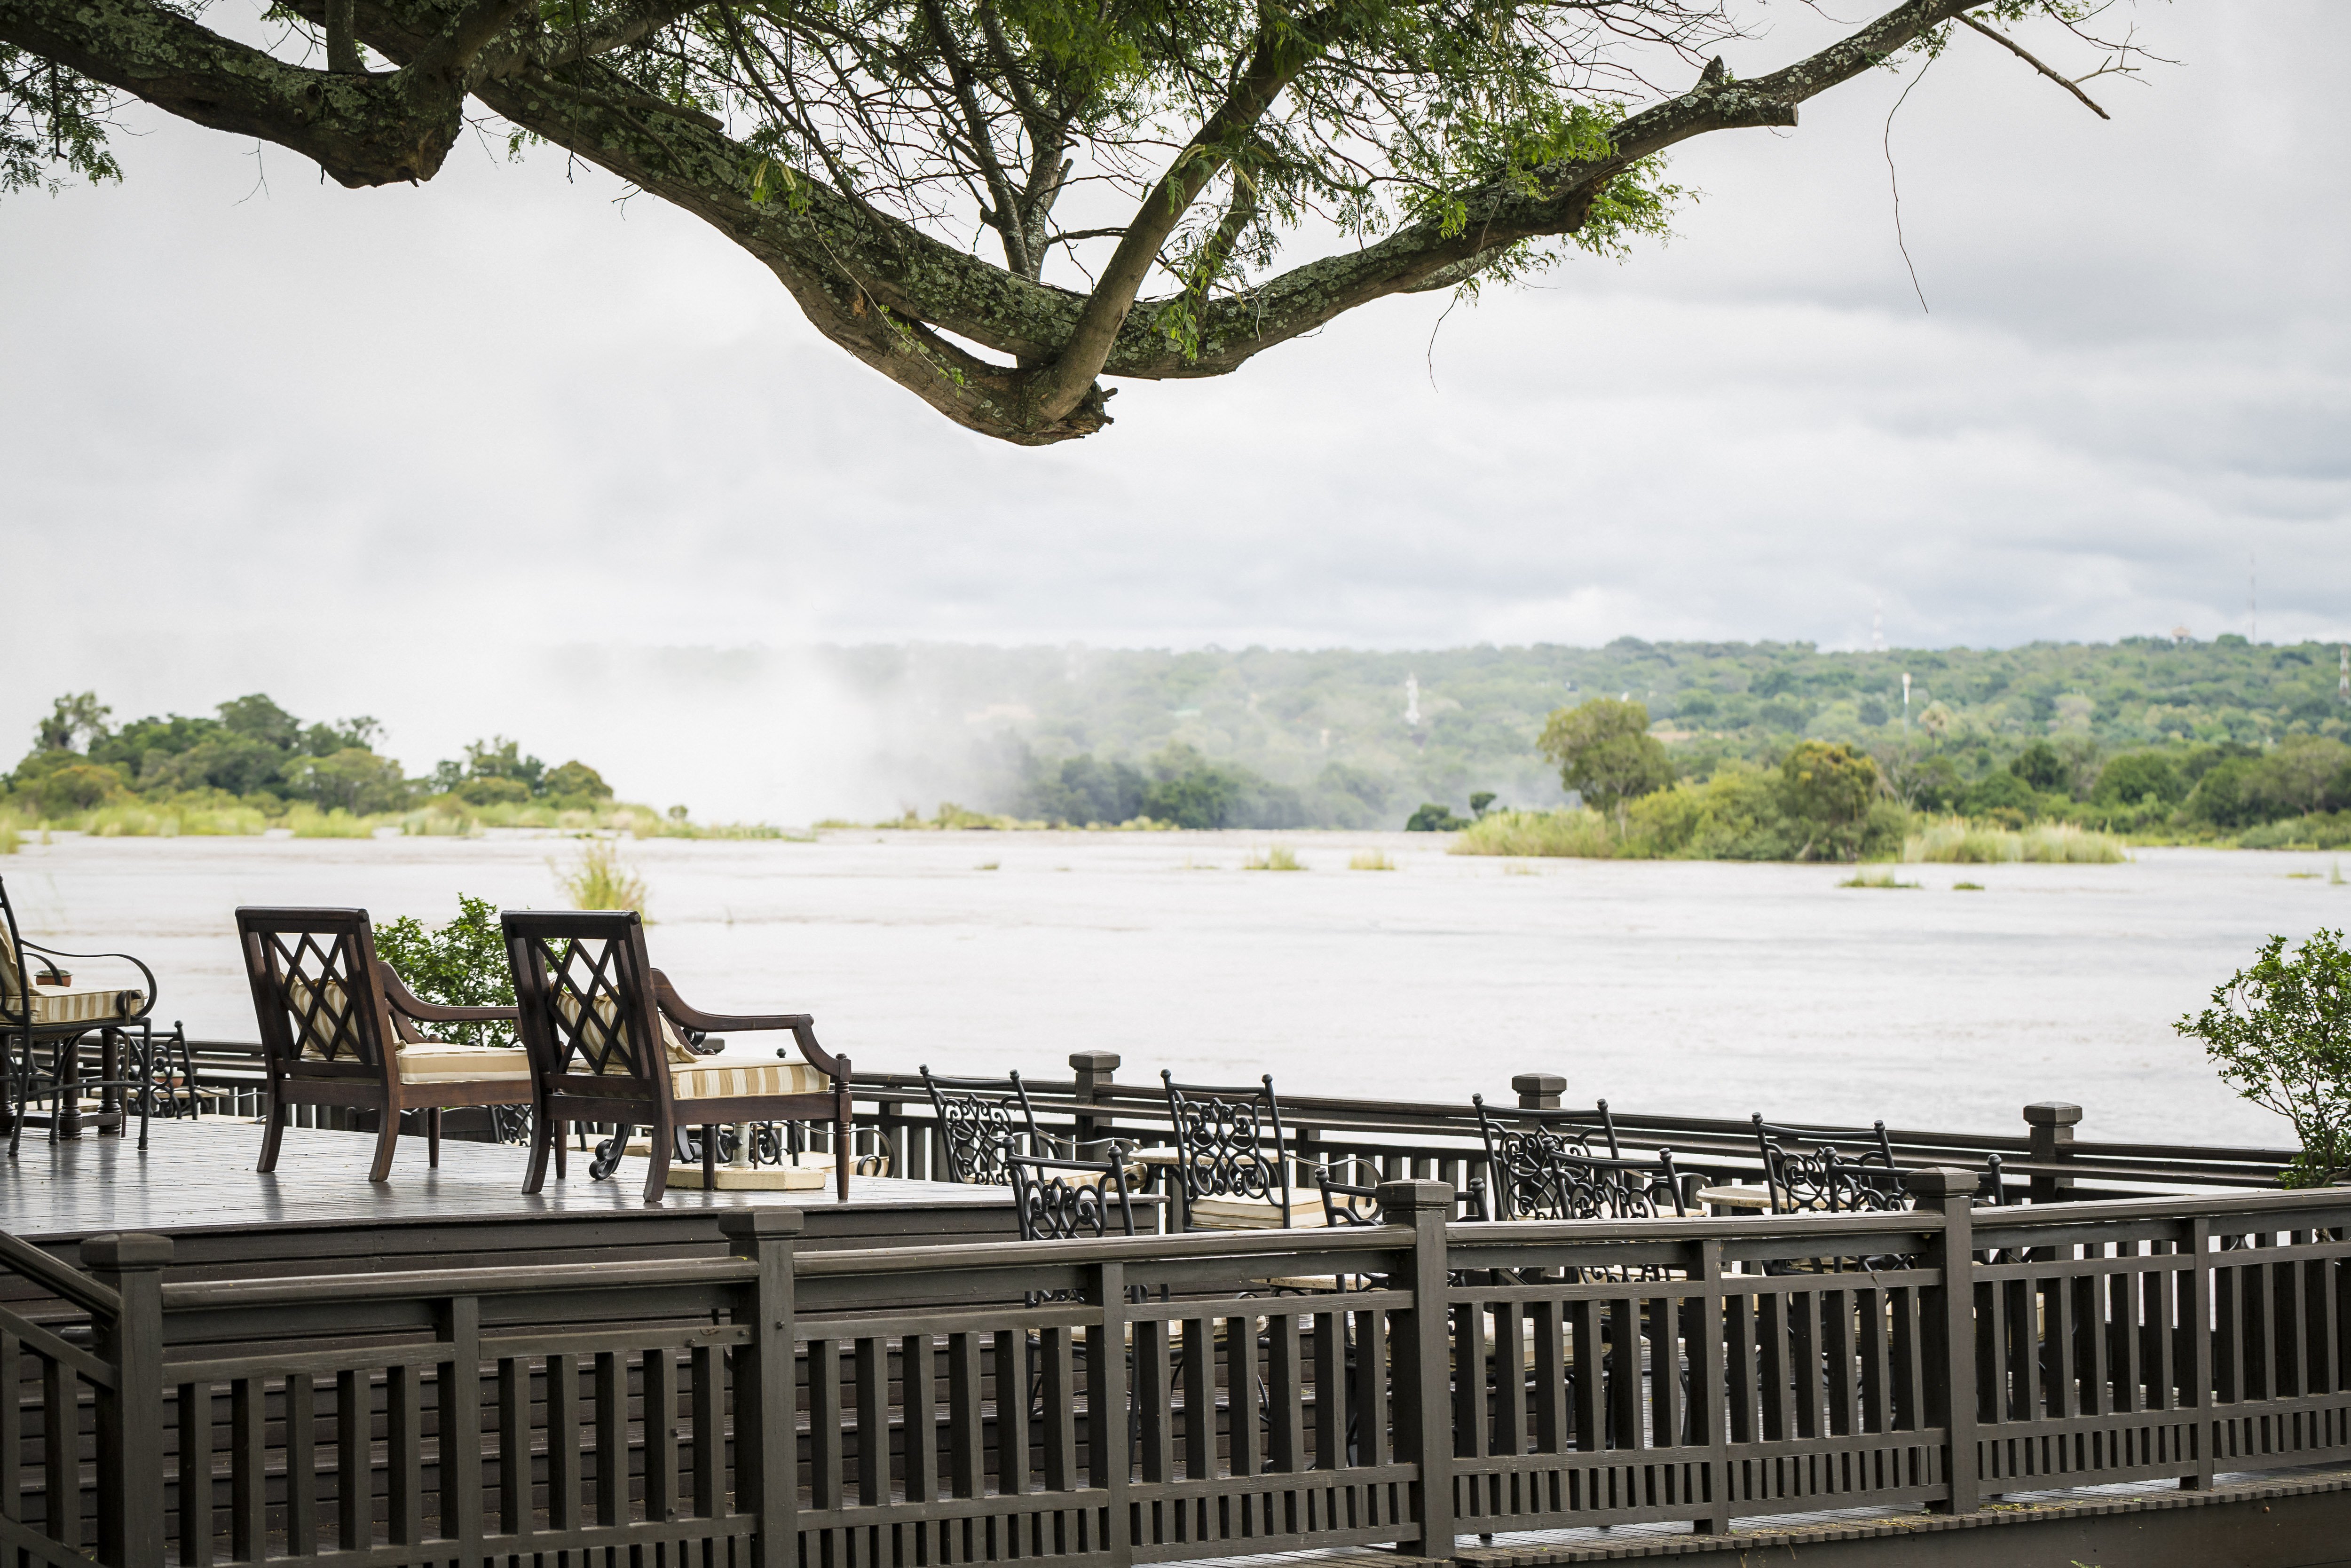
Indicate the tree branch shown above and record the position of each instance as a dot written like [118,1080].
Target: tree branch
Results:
[362,129]
[2013,47]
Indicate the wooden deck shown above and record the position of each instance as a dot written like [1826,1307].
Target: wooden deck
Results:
[319,1213]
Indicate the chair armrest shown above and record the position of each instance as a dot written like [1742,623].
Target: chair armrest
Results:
[396,992]
[802,1025]
[680,1011]
[142,969]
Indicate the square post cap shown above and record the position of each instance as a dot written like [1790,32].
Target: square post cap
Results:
[2052,1114]
[1941,1181]
[762,1224]
[119,1253]
[1094,1061]
[1399,1198]
[1539,1083]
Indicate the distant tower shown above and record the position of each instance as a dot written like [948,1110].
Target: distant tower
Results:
[1877,627]
[1906,702]
[1412,700]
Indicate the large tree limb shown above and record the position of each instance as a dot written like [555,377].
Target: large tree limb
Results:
[1283,49]
[362,129]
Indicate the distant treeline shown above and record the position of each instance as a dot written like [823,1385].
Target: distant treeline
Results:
[1333,728]
[255,756]
[1179,786]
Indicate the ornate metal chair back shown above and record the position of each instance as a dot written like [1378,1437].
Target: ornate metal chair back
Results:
[1524,1149]
[315,994]
[1229,1141]
[1064,1200]
[980,1119]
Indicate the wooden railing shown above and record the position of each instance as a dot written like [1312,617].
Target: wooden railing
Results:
[1440,1142]
[1094,1403]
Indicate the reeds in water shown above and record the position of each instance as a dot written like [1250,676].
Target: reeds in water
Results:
[1874,879]
[602,880]
[9,835]
[1960,843]
[1370,860]
[1522,833]
[1277,858]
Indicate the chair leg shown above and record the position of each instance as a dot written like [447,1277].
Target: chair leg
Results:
[544,1130]
[710,1158]
[432,1138]
[387,1138]
[841,1155]
[657,1171]
[272,1133]
[562,1131]
[17,1096]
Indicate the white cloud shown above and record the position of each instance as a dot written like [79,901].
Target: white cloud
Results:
[379,451]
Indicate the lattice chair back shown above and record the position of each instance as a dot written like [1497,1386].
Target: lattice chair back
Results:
[1524,1150]
[315,996]
[980,1120]
[585,993]
[1229,1142]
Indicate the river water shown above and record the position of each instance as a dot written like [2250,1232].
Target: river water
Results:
[1711,989]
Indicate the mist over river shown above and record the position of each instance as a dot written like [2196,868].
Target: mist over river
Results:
[1710,988]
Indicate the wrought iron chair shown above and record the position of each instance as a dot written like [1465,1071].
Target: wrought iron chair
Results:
[53,1014]
[980,1120]
[1824,1178]
[1540,1165]
[601,1027]
[1225,1176]
[338,1029]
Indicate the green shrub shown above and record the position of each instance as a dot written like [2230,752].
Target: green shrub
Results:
[460,964]
[2278,1033]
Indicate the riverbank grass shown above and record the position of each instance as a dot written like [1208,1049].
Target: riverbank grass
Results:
[1370,860]
[1281,857]
[1955,841]
[600,879]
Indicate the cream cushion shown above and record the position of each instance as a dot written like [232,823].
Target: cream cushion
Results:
[608,1013]
[319,1028]
[729,1078]
[437,1061]
[58,1004]
[1229,1213]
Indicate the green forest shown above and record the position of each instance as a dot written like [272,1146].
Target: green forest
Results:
[252,765]
[2221,741]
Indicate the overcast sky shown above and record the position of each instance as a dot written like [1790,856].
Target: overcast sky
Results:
[379,451]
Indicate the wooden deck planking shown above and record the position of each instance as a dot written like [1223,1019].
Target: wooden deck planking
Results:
[319,1213]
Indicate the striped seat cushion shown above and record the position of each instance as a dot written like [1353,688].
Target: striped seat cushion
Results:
[730,1078]
[59,1004]
[436,1061]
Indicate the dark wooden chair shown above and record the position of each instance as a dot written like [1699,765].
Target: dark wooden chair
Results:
[339,1029]
[1544,1164]
[1231,1168]
[601,1025]
[34,1014]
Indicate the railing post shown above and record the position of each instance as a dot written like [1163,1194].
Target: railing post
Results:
[1423,1397]
[2052,1122]
[130,1414]
[1109,1421]
[1947,1326]
[767,1478]
[1538,1090]
[1094,1070]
